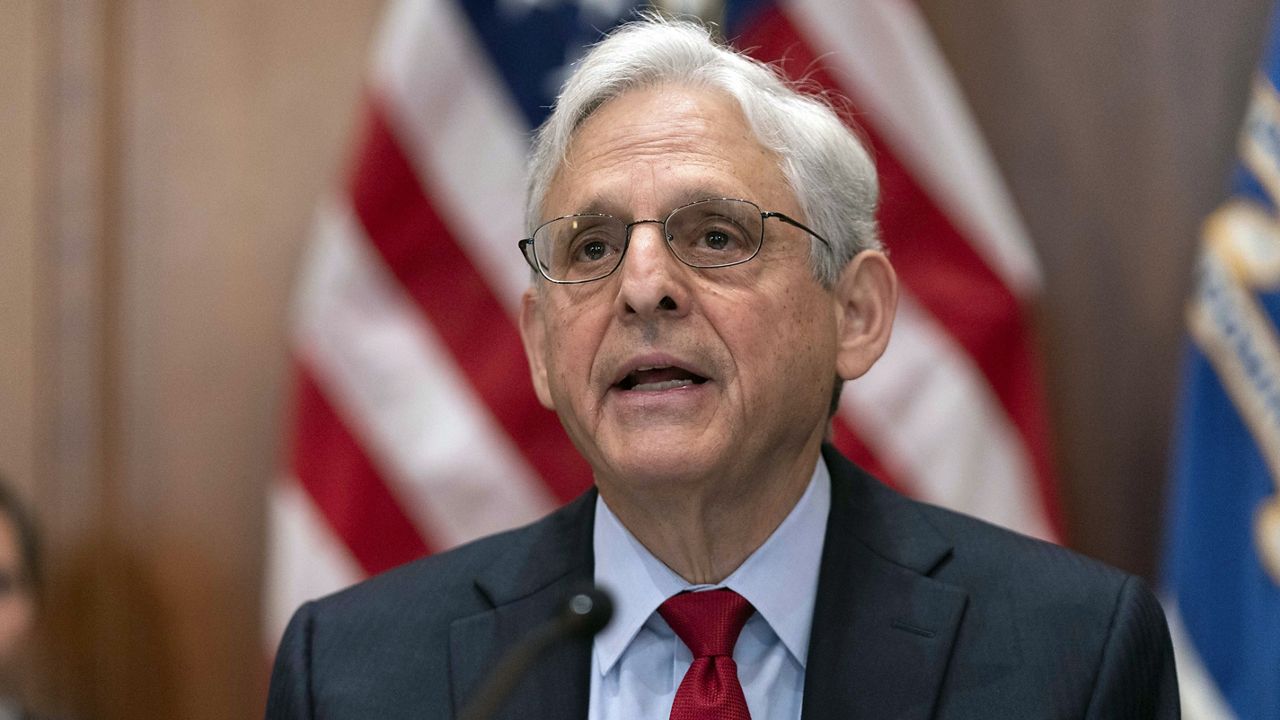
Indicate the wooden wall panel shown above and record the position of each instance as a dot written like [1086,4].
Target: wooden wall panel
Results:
[151,228]
[25,67]
[74,468]
[1114,124]
[238,117]
[21,59]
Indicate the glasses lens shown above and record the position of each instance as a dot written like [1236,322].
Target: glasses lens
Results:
[715,233]
[579,247]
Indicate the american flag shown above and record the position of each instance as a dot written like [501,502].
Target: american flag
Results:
[415,424]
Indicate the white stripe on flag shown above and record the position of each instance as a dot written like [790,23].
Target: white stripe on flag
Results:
[451,467]
[930,417]
[305,560]
[1200,697]
[883,54]
[465,138]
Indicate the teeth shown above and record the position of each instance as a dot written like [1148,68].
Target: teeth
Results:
[664,385]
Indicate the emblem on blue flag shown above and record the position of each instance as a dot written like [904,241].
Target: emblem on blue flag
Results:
[1222,561]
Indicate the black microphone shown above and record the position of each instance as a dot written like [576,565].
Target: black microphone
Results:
[582,615]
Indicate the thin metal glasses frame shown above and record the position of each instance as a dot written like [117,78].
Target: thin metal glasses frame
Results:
[526,245]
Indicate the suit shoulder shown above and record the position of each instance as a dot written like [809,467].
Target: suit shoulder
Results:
[385,642]
[991,555]
[444,586]
[1050,596]
[998,568]
[1093,637]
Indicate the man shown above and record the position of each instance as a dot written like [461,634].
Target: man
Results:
[707,274]
[18,574]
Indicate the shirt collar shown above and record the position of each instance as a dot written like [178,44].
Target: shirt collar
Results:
[780,578]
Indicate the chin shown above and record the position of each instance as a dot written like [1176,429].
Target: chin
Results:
[638,465]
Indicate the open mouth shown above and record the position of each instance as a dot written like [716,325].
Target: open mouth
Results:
[653,379]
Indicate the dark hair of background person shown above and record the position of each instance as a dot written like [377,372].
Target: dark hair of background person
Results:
[28,545]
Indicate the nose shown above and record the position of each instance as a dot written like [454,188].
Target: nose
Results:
[653,281]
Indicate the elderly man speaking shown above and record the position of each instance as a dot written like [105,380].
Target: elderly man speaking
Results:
[706,276]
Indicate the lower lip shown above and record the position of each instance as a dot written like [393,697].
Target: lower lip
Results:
[673,398]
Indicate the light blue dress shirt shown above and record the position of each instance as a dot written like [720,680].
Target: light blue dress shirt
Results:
[638,662]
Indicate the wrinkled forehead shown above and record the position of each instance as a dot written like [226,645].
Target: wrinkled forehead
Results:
[663,145]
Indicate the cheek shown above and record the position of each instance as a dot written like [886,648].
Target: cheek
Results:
[565,354]
[794,345]
[573,344]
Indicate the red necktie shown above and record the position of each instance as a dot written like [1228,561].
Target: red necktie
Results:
[708,623]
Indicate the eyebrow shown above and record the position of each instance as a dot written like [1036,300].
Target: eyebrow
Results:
[600,206]
[597,206]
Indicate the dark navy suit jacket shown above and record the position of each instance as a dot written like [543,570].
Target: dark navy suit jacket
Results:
[921,613]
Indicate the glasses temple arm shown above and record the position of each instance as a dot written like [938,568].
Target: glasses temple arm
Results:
[792,221]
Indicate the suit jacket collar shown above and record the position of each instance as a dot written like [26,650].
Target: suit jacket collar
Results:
[523,592]
[883,628]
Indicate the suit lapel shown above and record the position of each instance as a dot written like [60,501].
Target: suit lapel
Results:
[525,592]
[882,628]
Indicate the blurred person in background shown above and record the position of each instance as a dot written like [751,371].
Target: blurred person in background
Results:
[19,576]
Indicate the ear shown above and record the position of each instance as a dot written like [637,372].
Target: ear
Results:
[867,297]
[534,335]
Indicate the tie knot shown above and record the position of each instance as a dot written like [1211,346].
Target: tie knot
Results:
[707,622]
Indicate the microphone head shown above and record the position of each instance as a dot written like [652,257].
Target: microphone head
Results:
[587,612]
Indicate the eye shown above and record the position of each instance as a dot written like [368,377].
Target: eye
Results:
[717,239]
[715,233]
[718,235]
[593,245]
[576,248]
[593,250]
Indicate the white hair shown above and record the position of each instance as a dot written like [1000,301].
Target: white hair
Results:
[829,170]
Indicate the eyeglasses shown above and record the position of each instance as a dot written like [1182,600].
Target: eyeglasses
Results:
[711,233]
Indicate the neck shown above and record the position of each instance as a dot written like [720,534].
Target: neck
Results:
[704,528]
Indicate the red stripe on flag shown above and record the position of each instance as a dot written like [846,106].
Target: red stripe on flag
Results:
[421,251]
[851,444]
[343,483]
[940,267]
[959,289]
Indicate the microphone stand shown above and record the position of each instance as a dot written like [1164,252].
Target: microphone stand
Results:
[583,615]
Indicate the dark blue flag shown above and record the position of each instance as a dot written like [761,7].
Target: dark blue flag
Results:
[1222,562]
